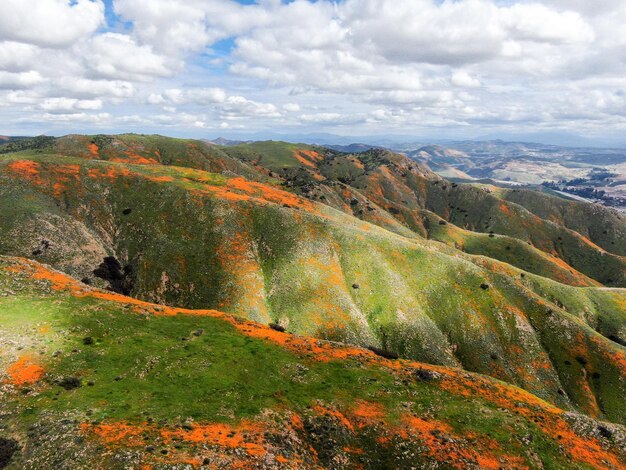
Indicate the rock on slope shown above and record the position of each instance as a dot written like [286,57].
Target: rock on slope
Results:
[93,379]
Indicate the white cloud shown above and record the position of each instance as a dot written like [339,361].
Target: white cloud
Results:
[461,78]
[16,57]
[66,105]
[20,79]
[83,87]
[78,118]
[50,23]
[184,25]
[199,96]
[369,64]
[118,56]
[291,107]
[237,107]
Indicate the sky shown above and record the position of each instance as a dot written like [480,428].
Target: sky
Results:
[205,68]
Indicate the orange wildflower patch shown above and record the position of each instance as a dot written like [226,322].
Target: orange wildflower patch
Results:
[296,422]
[589,243]
[303,160]
[25,371]
[64,174]
[93,150]
[307,157]
[246,435]
[367,412]
[110,173]
[321,410]
[427,432]
[572,276]
[331,269]
[239,189]
[26,169]
[268,193]
[237,257]
[317,349]
[118,433]
[548,417]
[506,209]
[161,179]
[135,159]
[58,176]
[43,329]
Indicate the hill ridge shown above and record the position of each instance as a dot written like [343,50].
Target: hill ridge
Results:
[243,439]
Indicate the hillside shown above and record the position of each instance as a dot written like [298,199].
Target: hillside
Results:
[386,189]
[94,379]
[187,237]
[393,191]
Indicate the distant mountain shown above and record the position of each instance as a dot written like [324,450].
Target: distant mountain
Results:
[403,142]
[562,139]
[352,148]
[226,142]
[4,139]
[596,173]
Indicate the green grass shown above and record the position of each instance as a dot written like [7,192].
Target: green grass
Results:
[168,374]
[271,154]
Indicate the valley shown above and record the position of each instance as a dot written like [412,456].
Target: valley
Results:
[593,173]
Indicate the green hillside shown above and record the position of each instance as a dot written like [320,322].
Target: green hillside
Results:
[379,185]
[186,237]
[93,379]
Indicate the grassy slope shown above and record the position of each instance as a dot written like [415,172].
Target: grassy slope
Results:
[270,154]
[152,149]
[156,387]
[472,208]
[395,186]
[387,181]
[507,249]
[297,265]
[606,228]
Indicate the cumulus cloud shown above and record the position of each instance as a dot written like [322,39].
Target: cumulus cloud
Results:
[15,56]
[67,105]
[19,80]
[360,64]
[85,87]
[463,79]
[291,107]
[236,107]
[118,56]
[177,96]
[50,23]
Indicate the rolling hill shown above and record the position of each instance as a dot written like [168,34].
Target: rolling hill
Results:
[370,250]
[117,215]
[93,379]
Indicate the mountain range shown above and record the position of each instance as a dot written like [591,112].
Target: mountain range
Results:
[171,301]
